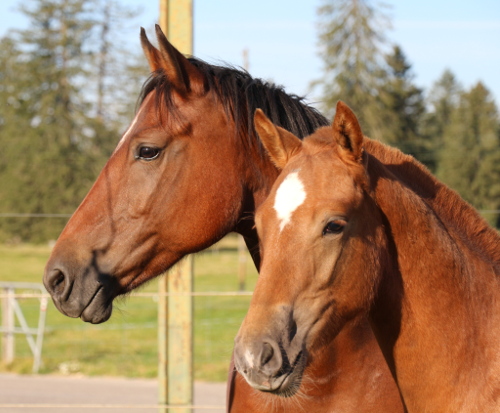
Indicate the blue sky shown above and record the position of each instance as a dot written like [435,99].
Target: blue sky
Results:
[281,36]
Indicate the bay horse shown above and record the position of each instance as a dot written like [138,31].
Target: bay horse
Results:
[189,170]
[355,228]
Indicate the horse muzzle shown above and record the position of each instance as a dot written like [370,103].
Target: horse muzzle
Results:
[86,293]
[267,367]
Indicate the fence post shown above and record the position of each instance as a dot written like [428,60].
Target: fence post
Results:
[163,343]
[175,337]
[180,333]
[176,312]
[8,324]
[39,334]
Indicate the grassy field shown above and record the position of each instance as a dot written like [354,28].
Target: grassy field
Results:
[126,345]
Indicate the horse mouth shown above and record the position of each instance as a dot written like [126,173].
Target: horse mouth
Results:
[99,308]
[287,382]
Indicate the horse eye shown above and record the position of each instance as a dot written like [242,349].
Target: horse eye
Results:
[148,153]
[334,227]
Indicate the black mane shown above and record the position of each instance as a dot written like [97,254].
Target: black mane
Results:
[241,94]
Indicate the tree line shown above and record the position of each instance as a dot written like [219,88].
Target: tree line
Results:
[68,88]
[454,131]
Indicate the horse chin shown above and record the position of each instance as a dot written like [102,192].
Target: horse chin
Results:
[99,309]
[288,384]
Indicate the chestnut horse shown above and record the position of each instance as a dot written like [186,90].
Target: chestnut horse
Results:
[352,227]
[189,170]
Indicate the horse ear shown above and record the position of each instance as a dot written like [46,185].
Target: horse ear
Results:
[180,71]
[347,132]
[279,143]
[183,75]
[151,52]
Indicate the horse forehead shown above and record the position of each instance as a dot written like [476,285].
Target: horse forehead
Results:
[138,117]
[314,181]
[289,196]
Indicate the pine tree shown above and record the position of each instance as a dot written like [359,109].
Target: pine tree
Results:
[14,124]
[119,69]
[55,148]
[442,100]
[351,41]
[469,160]
[401,107]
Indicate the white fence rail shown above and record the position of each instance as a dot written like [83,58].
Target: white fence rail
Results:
[11,310]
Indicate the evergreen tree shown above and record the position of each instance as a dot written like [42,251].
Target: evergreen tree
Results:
[442,100]
[469,159]
[401,107]
[119,69]
[14,123]
[351,40]
[53,147]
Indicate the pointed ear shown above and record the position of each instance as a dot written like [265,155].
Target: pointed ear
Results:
[279,143]
[184,75]
[347,133]
[151,52]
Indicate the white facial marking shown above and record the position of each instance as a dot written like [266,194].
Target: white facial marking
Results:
[249,359]
[289,196]
[129,130]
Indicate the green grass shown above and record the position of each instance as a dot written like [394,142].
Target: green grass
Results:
[126,345]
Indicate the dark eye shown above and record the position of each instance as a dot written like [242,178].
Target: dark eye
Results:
[334,227]
[148,153]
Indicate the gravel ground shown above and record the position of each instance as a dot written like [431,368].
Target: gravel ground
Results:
[42,393]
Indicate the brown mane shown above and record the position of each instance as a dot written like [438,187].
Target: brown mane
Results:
[456,214]
[240,95]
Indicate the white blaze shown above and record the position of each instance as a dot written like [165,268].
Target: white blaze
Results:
[129,130]
[289,196]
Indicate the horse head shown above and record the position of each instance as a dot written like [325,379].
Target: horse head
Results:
[154,200]
[318,231]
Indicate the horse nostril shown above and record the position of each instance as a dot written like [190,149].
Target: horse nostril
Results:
[271,360]
[267,354]
[57,282]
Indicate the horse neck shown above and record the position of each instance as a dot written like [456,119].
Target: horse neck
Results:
[258,172]
[258,175]
[459,218]
[240,95]
[439,298]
